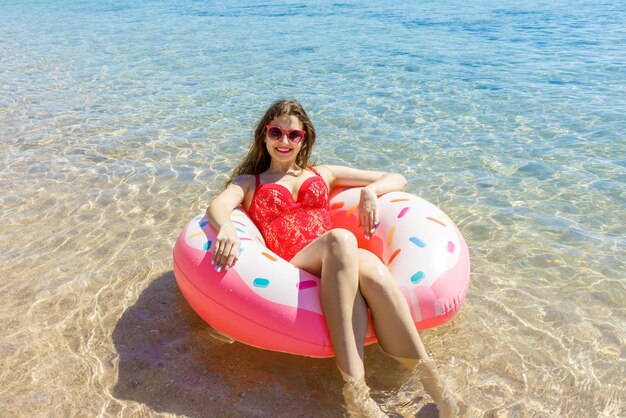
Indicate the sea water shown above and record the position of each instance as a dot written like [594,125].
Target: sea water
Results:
[119,121]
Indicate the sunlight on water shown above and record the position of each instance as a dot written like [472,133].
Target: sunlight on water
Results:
[120,121]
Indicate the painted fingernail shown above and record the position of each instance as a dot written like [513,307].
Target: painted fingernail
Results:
[212,261]
[218,269]
[372,230]
[227,266]
[376,224]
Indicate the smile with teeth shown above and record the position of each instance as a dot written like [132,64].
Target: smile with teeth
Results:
[283,150]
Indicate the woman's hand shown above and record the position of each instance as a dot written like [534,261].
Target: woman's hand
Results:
[368,211]
[226,248]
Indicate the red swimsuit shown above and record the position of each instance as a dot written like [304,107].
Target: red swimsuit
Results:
[288,225]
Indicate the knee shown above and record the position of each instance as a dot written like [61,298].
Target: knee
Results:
[342,242]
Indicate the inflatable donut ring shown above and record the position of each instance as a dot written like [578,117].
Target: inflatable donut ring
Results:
[266,302]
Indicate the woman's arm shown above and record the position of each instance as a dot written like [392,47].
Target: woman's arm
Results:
[379,182]
[226,248]
[374,183]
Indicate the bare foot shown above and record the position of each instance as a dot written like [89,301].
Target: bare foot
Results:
[434,386]
[356,394]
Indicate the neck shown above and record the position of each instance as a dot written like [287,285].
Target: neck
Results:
[277,167]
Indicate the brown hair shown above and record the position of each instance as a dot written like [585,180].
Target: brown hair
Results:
[258,159]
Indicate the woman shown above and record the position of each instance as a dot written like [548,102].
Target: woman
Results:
[288,201]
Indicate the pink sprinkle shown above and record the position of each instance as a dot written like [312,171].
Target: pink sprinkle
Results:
[451,247]
[306,284]
[403,212]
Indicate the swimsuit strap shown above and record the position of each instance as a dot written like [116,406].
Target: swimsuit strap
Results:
[315,171]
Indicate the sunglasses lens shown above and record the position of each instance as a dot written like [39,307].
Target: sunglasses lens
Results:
[295,136]
[274,133]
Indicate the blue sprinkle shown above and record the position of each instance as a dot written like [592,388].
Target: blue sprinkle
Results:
[207,245]
[198,218]
[240,230]
[418,242]
[203,224]
[240,251]
[260,282]
[417,277]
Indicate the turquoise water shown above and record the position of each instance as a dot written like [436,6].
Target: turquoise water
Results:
[119,121]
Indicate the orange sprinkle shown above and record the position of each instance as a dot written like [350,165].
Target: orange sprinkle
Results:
[197,234]
[337,205]
[436,221]
[351,211]
[390,237]
[399,200]
[270,256]
[394,255]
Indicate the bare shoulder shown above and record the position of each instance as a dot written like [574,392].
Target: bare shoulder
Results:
[327,172]
[323,169]
[245,182]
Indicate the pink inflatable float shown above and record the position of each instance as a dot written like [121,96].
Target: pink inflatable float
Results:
[268,303]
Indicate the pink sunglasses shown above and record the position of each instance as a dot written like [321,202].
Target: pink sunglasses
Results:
[293,135]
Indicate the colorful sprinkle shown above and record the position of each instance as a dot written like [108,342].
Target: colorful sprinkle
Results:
[417,277]
[197,234]
[268,255]
[238,223]
[351,211]
[390,237]
[399,200]
[451,247]
[203,224]
[245,239]
[337,205]
[241,231]
[207,245]
[394,255]
[403,212]
[418,242]
[198,218]
[260,282]
[307,284]
[436,221]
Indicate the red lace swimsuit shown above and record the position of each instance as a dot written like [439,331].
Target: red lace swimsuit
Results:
[288,225]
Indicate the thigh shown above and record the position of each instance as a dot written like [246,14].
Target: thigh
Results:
[310,258]
[338,243]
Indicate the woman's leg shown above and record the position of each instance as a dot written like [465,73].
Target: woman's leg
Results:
[396,331]
[392,319]
[334,257]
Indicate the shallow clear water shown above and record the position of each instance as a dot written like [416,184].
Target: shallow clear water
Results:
[118,123]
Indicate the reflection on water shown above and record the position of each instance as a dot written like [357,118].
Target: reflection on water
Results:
[118,125]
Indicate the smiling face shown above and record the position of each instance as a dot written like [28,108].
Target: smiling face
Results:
[282,150]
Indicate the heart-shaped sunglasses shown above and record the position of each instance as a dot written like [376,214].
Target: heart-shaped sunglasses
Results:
[293,135]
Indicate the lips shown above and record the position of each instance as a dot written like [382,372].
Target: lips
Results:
[283,150]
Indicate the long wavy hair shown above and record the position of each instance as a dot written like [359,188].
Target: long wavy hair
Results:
[258,159]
